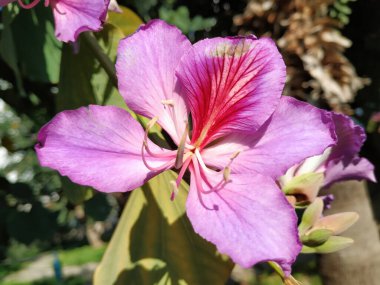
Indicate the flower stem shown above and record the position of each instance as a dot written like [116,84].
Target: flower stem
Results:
[103,59]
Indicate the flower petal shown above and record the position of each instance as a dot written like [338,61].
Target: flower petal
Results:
[296,130]
[357,169]
[5,2]
[231,84]
[114,7]
[350,138]
[75,16]
[97,146]
[145,68]
[252,221]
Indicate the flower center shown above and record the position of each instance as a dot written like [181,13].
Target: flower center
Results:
[184,157]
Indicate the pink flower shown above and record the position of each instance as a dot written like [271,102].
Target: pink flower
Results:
[338,163]
[72,16]
[243,135]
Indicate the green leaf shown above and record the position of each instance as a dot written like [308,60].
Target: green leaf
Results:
[38,52]
[127,21]
[75,88]
[75,193]
[155,243]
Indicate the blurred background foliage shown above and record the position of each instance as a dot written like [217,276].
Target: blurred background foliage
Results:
[331,48]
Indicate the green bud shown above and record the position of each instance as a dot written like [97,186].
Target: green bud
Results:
[333,244]
[306,185]
[337,223]
[316,237]
[310,216]
[306,249]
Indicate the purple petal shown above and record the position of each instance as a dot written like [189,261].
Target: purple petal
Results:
[231,85]
[357,169]
[145,68]
[97,146]
[296,130]
[5,2]
[251,221]
[75,16]
[350,138]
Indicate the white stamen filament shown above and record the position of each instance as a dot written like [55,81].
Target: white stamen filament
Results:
[200,189]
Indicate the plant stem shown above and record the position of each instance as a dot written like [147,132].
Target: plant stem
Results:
[103,59]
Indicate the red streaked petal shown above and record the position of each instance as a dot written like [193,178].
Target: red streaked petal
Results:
[231,85]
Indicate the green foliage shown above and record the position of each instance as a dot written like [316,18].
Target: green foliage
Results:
[341,11]
[81,255]
[154,242]
[181,18]
[30,46]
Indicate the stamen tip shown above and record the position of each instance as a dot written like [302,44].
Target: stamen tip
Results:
[216,207]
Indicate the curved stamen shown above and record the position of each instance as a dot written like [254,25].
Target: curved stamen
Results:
[175,184]
[149,126]
[145,147]
[204,170]
[200,189]
[28,6]
[181,148]
[165,166]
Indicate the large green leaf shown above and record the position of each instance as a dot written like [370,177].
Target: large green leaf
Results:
[154,243]
[36,52]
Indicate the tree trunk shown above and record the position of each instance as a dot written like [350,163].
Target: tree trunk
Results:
[360,263]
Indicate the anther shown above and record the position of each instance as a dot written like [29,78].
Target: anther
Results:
[181,148]
[151,123]
[169,102]
[233,156]
[226,174]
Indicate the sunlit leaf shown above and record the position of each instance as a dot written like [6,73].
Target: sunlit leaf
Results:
[127,21]
[154,243]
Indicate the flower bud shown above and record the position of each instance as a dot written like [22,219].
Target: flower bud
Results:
[316,237]
[333,244]
[337,223]
[310,216]
[305,186]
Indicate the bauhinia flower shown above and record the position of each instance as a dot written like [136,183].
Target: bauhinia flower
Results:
[242,136]
[72,16]
[341,162]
